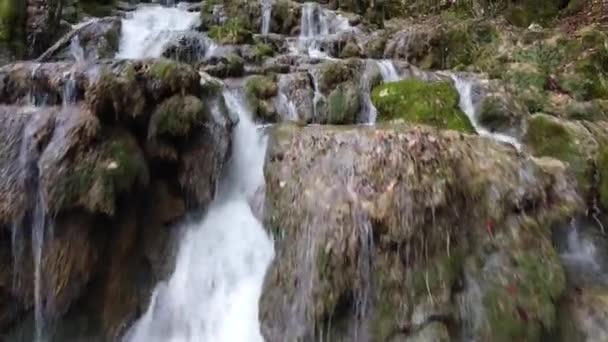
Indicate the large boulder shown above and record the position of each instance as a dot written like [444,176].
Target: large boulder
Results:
[407,233]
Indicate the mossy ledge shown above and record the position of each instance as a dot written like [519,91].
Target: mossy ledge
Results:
[419,102]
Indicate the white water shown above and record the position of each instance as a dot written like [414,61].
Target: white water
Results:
[464,87]
[266,16]
[317,24]
[213,293]
[146,32]
[388,71]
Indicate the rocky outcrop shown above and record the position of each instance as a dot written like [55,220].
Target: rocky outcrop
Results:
[402,233]
[102,175]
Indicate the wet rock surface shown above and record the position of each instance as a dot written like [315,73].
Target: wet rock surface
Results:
[108,175]
[357,253]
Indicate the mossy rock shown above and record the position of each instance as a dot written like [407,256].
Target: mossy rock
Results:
[259,89]
[96,178]
[570,142]
[262,51]
[350,50]
[115,97]
[177,117]
[343,104]
[165,77]
[420,102]
[231,32]
[500,113]
[333,73]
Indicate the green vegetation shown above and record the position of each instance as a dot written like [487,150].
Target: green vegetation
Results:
[231,32]
[12,26]
[177,116]
[420,102]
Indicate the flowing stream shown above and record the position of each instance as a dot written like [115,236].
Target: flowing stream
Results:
[214,291]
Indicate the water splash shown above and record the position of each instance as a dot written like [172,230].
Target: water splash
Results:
[213,293]
[464,86]
[146,32]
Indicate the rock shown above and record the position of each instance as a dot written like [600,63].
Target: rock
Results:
[230,65]
[125,6]
[295,99]
[420,102]
[96,39]
[191,48]
[90,170]
[343,104]
[584,316]
[361,192]
[260,90]
[580,144]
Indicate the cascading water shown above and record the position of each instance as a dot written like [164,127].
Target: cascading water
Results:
[146,32]
[316,25]
[464,87]
[388,70]
[266,16]
[213,293]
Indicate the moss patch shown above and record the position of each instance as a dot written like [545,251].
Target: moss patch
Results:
[177,116]
[231,32]
[415,101]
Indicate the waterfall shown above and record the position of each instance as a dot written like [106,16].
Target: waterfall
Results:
[146,32]
[213,293]
[316,25]
[388,71]
[266,16]
[464,87]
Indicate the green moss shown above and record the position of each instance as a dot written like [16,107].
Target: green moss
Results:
[99,175]
[258,89]
[343,104]
[547,137]
[167,76]
[527,12]
[263,51]
[231,32]
[462,43]
[415,101]
[235,65]
[177,116]
[350,50]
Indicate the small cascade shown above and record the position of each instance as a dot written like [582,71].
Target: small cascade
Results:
[284,104]
[464,86]
[213,293]
[145,33]
[36,219]
[69,88]
[316,25]
[388,71]
[266,16]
